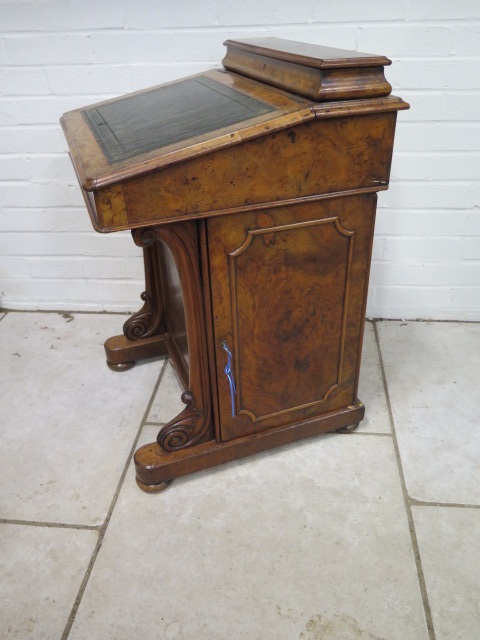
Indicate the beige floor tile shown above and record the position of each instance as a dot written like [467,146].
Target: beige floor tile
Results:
[41,569]
[448,542]
[370,390]
[67,421]
[308,541]
[433,373]
[167,403]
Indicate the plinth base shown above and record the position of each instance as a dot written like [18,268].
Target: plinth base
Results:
[156,467]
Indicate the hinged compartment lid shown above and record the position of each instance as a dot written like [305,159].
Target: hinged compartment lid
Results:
[310,70]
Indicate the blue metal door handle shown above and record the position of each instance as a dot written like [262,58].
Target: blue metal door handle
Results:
[229,373]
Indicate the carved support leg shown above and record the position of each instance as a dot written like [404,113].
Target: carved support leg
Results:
[193,425]
[150,319]
[143,332]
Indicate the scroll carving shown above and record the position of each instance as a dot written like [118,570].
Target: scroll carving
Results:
[184,430]
[150,319]
[142,324]
[144,237]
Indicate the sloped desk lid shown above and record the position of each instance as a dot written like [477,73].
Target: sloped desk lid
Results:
[270,84]
[188,109]
[132,135]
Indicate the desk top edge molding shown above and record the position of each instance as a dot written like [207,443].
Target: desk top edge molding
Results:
[311,55]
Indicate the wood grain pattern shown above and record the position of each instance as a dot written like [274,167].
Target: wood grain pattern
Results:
[292,305]
[244,175]
[312,71]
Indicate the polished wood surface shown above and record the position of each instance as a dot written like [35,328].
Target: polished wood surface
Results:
[232,180]
[312,71]
[237,179]
[308,54]
[255,209]
[303,267]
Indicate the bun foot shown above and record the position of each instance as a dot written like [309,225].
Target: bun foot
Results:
[154,488]
[350,429]
[122,366]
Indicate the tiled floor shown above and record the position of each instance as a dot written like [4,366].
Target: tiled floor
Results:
[372,535]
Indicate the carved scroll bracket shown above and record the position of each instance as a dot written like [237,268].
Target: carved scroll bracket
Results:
[150,319]
[185,429]
[193,425]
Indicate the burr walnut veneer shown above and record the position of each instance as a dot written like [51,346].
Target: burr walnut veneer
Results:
[252,190]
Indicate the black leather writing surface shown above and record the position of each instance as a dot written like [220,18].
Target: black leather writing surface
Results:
[154,119]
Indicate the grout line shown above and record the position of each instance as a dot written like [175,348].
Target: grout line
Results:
[55,525]
[6,311]
[155,424]
[103,528]
[456,505]
[408,508]
[374,320]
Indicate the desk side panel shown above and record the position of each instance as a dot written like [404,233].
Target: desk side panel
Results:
[317,157]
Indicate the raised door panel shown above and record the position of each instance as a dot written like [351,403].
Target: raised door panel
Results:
[288,289]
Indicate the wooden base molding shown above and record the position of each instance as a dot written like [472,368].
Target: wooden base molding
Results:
[155,467]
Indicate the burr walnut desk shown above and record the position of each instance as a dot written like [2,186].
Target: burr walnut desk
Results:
[252,190]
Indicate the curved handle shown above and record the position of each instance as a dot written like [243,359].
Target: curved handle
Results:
[229,373]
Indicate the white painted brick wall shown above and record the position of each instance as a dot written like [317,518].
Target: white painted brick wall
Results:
[57,55]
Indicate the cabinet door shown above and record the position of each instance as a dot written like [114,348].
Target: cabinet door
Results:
[288,296]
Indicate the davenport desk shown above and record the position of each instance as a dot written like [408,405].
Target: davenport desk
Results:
[252,190]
